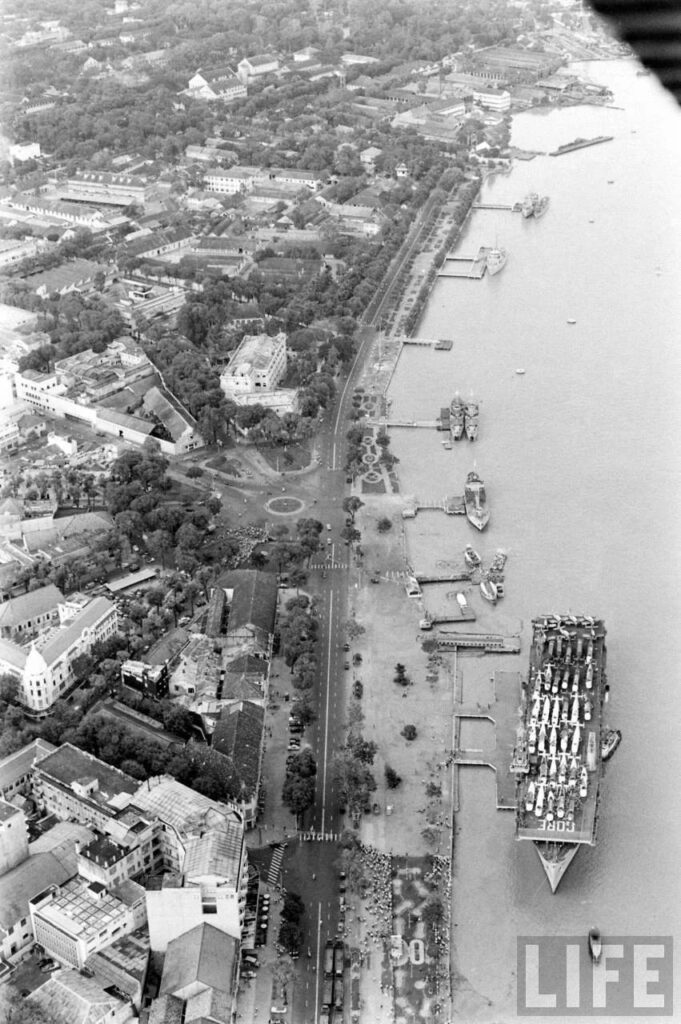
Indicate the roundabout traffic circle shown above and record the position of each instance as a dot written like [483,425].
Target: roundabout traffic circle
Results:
[285,506]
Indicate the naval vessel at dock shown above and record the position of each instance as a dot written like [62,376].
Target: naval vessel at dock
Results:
[557,760]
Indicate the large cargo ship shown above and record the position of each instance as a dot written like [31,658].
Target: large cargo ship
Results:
[475,501]
[558,759]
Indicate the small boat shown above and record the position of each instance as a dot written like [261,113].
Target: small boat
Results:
[447,445]
[529,799]
[595,945]
[609,743]
[520,371]
[456,416]
[572,320]
[488,589]
[472,558]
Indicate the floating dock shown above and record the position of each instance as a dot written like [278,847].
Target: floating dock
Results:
[472,267]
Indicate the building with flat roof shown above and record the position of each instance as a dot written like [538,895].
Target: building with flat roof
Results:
[74,920]
[257,366]
[72,784]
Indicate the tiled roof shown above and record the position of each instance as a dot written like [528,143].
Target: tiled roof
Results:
[254,601]
[70,998]
[12,654]
[61,641]
[238,735]
[24,881]
[203,956]
[172,419]
[18,764]
[27,606]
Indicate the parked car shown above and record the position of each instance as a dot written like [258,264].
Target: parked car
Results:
[346,646]
[346,665]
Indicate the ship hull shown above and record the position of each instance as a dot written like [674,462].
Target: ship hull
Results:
[555,859]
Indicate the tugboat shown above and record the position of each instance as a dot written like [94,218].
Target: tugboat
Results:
[595,945]
[609,743]
[496,260]
[457,413]
[471,411]
[475,501]
[472,557]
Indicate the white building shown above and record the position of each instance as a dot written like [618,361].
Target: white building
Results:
[25,151]
[257,366]
[203,842]
[254,67]
[44,668]
[220,85]
[75,920]
[492,99]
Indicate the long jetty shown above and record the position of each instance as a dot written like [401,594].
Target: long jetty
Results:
[490,643]
[455,576]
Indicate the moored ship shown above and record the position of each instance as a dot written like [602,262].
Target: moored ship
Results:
[475,501]
[557,760]
[496,260]
[457,412]
[540,206]
[529,202]
[471,412]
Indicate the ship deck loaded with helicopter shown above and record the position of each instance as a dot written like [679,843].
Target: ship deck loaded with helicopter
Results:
[557,760]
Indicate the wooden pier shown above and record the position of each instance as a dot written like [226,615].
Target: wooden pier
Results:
[497,206]
[453,506]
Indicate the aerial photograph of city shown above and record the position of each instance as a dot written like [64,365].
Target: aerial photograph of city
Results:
[339,477]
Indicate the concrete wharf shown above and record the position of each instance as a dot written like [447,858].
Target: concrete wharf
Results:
[455,576]
[464,615]
[427,424]
[501,713]
[490,643]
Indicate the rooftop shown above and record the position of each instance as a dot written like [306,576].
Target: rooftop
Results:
[238,735]
[70,998]
[16,765]
[18,610]
[24,881]
[254,599]
[82,907]
[69,764]
[203,956]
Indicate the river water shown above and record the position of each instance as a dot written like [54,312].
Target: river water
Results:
[580,455]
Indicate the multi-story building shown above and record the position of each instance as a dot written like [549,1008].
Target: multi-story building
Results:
[104,189]
[44,668]
[258,364]
[13,837]
[492,99]
[203,847]
[254,67]
[30,613]
[77,919]
[16,769]
[217,85]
